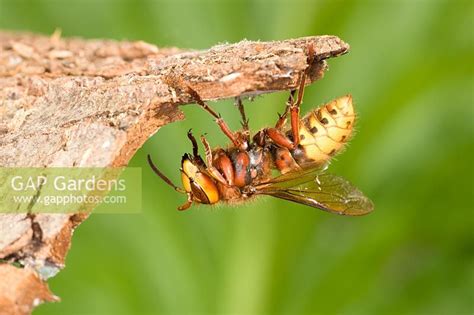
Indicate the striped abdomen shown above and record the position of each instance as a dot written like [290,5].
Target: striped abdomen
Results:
[324,131]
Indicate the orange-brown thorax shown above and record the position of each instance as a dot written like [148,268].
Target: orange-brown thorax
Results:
[322,134]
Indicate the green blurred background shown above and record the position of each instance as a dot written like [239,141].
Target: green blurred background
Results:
[410,71]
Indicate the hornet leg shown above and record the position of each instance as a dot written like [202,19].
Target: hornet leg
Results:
[196,157]
[282,118]
[293,108]
[210,168]
[187,204]
[245,121]
[222,124]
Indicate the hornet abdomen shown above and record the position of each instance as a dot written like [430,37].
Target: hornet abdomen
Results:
[323,133]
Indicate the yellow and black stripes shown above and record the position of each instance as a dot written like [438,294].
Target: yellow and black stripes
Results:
[324,131]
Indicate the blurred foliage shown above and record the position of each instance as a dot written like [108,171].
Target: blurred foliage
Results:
[410,71]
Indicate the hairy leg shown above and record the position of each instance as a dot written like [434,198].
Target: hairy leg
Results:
[214,172]
[245,121]
[292,108]
[222,124]
[282,118]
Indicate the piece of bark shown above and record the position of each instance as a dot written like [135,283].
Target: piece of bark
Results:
[93,103]
[21,290]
